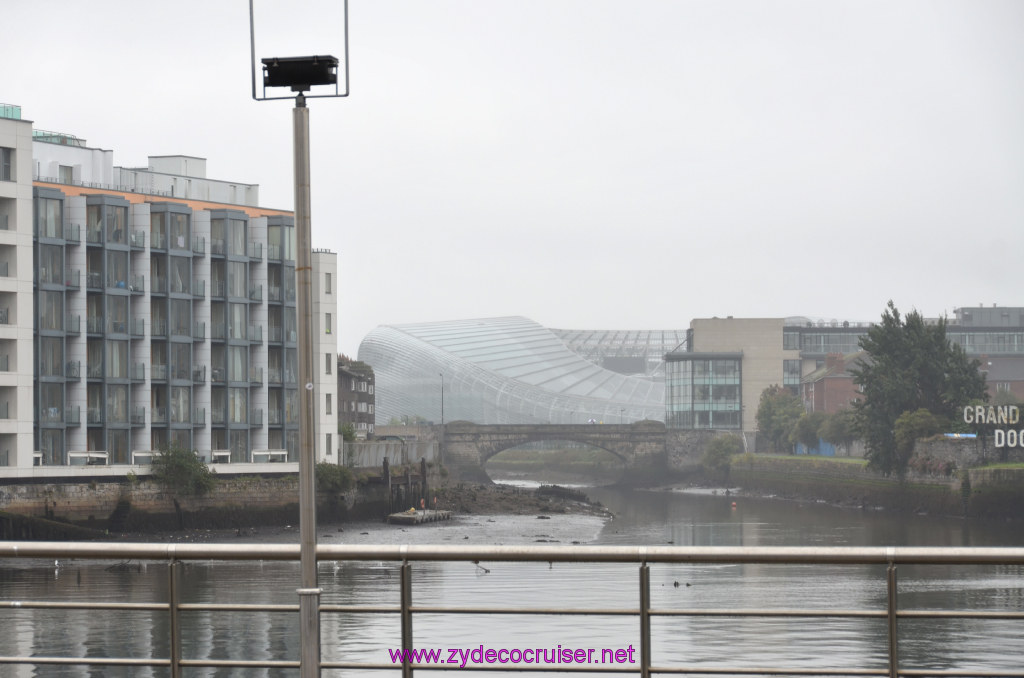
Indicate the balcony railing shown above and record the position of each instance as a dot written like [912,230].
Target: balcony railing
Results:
[199,417]
[73,324]
[255,375]
[218,375]
[138,327]
[255,417]
[73,416]
[138,416]
[138,239]
[218,288]
[256,251]
[198,245]
[73,279]
[158,283]
[94,416]
[217,416]
[73,233]
[273,252]
[159,414]
[199,330]
[138,284]
[256,293]
[199,374]
[94,371]
[94,324]
[138,372]
[158,327]
[158,372]
[94,234]
[94,280]
[73,369]
[255,334]
[199,289]
[217,246]
[5,363]
[275,293]
[159,241]
[275,417]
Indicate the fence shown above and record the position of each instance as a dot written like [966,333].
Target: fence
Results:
[176,554]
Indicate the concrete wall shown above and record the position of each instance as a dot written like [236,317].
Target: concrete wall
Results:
[371,454]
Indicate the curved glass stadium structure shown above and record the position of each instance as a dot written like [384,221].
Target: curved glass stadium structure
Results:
[499,371]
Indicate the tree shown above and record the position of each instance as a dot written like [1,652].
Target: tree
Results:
[807,429]
[718,453]
[909,365]
[911,427]
[180,470]
[347,431]
[777,414]
[840,429]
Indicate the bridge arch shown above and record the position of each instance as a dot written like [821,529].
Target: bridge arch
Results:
[467,446]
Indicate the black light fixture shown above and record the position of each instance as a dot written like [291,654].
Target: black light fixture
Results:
[300,73]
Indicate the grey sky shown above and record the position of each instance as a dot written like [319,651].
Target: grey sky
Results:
[588,163]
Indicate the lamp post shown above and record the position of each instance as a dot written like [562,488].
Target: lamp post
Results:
[442,398]
[301,74]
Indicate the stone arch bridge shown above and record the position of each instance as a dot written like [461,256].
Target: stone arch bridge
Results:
[466,447]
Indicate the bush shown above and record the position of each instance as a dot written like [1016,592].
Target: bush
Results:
[182,471]
[333,478]
[719,452]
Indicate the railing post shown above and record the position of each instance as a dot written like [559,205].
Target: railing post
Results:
[406,619]
[894,655]
[173,594]
[645,621]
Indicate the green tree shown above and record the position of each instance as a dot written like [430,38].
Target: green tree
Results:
[182,471]
[719,451]
[347,431]
[807,430]
[909,365]
[777,413]
[840,429]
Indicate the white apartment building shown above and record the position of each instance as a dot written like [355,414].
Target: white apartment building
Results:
[162,313]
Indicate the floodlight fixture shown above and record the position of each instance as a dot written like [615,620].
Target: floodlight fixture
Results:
[300,74]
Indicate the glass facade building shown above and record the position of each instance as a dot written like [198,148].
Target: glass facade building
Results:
[703,390]
[498,371]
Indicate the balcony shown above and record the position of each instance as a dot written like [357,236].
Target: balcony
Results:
[218,289]
[5,316]
[73,370]
[275,293]
[138,284]
[199,330]
[138,328]
[73,325]
[158,327]
[199,375]
[93,280]
[220,332]
[198,289]
[255,334]
[256,293]
[273,252]
[217,247]
[5,363]
[138,416]
[159,241]
[138,372]
[255,376]
[255,418]
[274,375]
[73,234]
[117,327]
[94,416]
[218,375]
[94,371]
[275,417]
[137,239]
[199,417]
[72,279]
[256,251]
[94,324]
[94,234]
[181,373]
[159,414]
[73,416]
[158,372]
[217,416]
[198,246]
[275,334]
[159,284]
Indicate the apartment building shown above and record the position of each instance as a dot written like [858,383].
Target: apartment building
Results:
[154,306]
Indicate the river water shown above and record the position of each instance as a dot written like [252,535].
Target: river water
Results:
[640,517]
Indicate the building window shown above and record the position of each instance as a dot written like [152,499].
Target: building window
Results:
[328,403]
[67,174]
[327,283]
[6,164]
[330,450]
[327,363]
[327,323]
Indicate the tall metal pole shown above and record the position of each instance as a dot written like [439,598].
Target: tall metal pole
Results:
[442,398]
[309,594]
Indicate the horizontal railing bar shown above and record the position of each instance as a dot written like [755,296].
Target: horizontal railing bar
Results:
[536,553]
[608,612]
[747,671]
[80,605]
[361,609]
[240,663]
[235,607]
[86,661]
[850,614]
[953,673]
[953,614]
[514,668]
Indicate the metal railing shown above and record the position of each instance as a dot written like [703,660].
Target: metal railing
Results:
[406,610]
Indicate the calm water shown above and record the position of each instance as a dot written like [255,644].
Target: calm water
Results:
[640,518]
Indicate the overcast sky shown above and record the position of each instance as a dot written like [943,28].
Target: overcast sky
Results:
[589,164]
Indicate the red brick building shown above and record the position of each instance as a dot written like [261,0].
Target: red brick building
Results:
[830,388]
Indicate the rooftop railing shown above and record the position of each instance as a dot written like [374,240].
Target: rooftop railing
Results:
[406,610]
